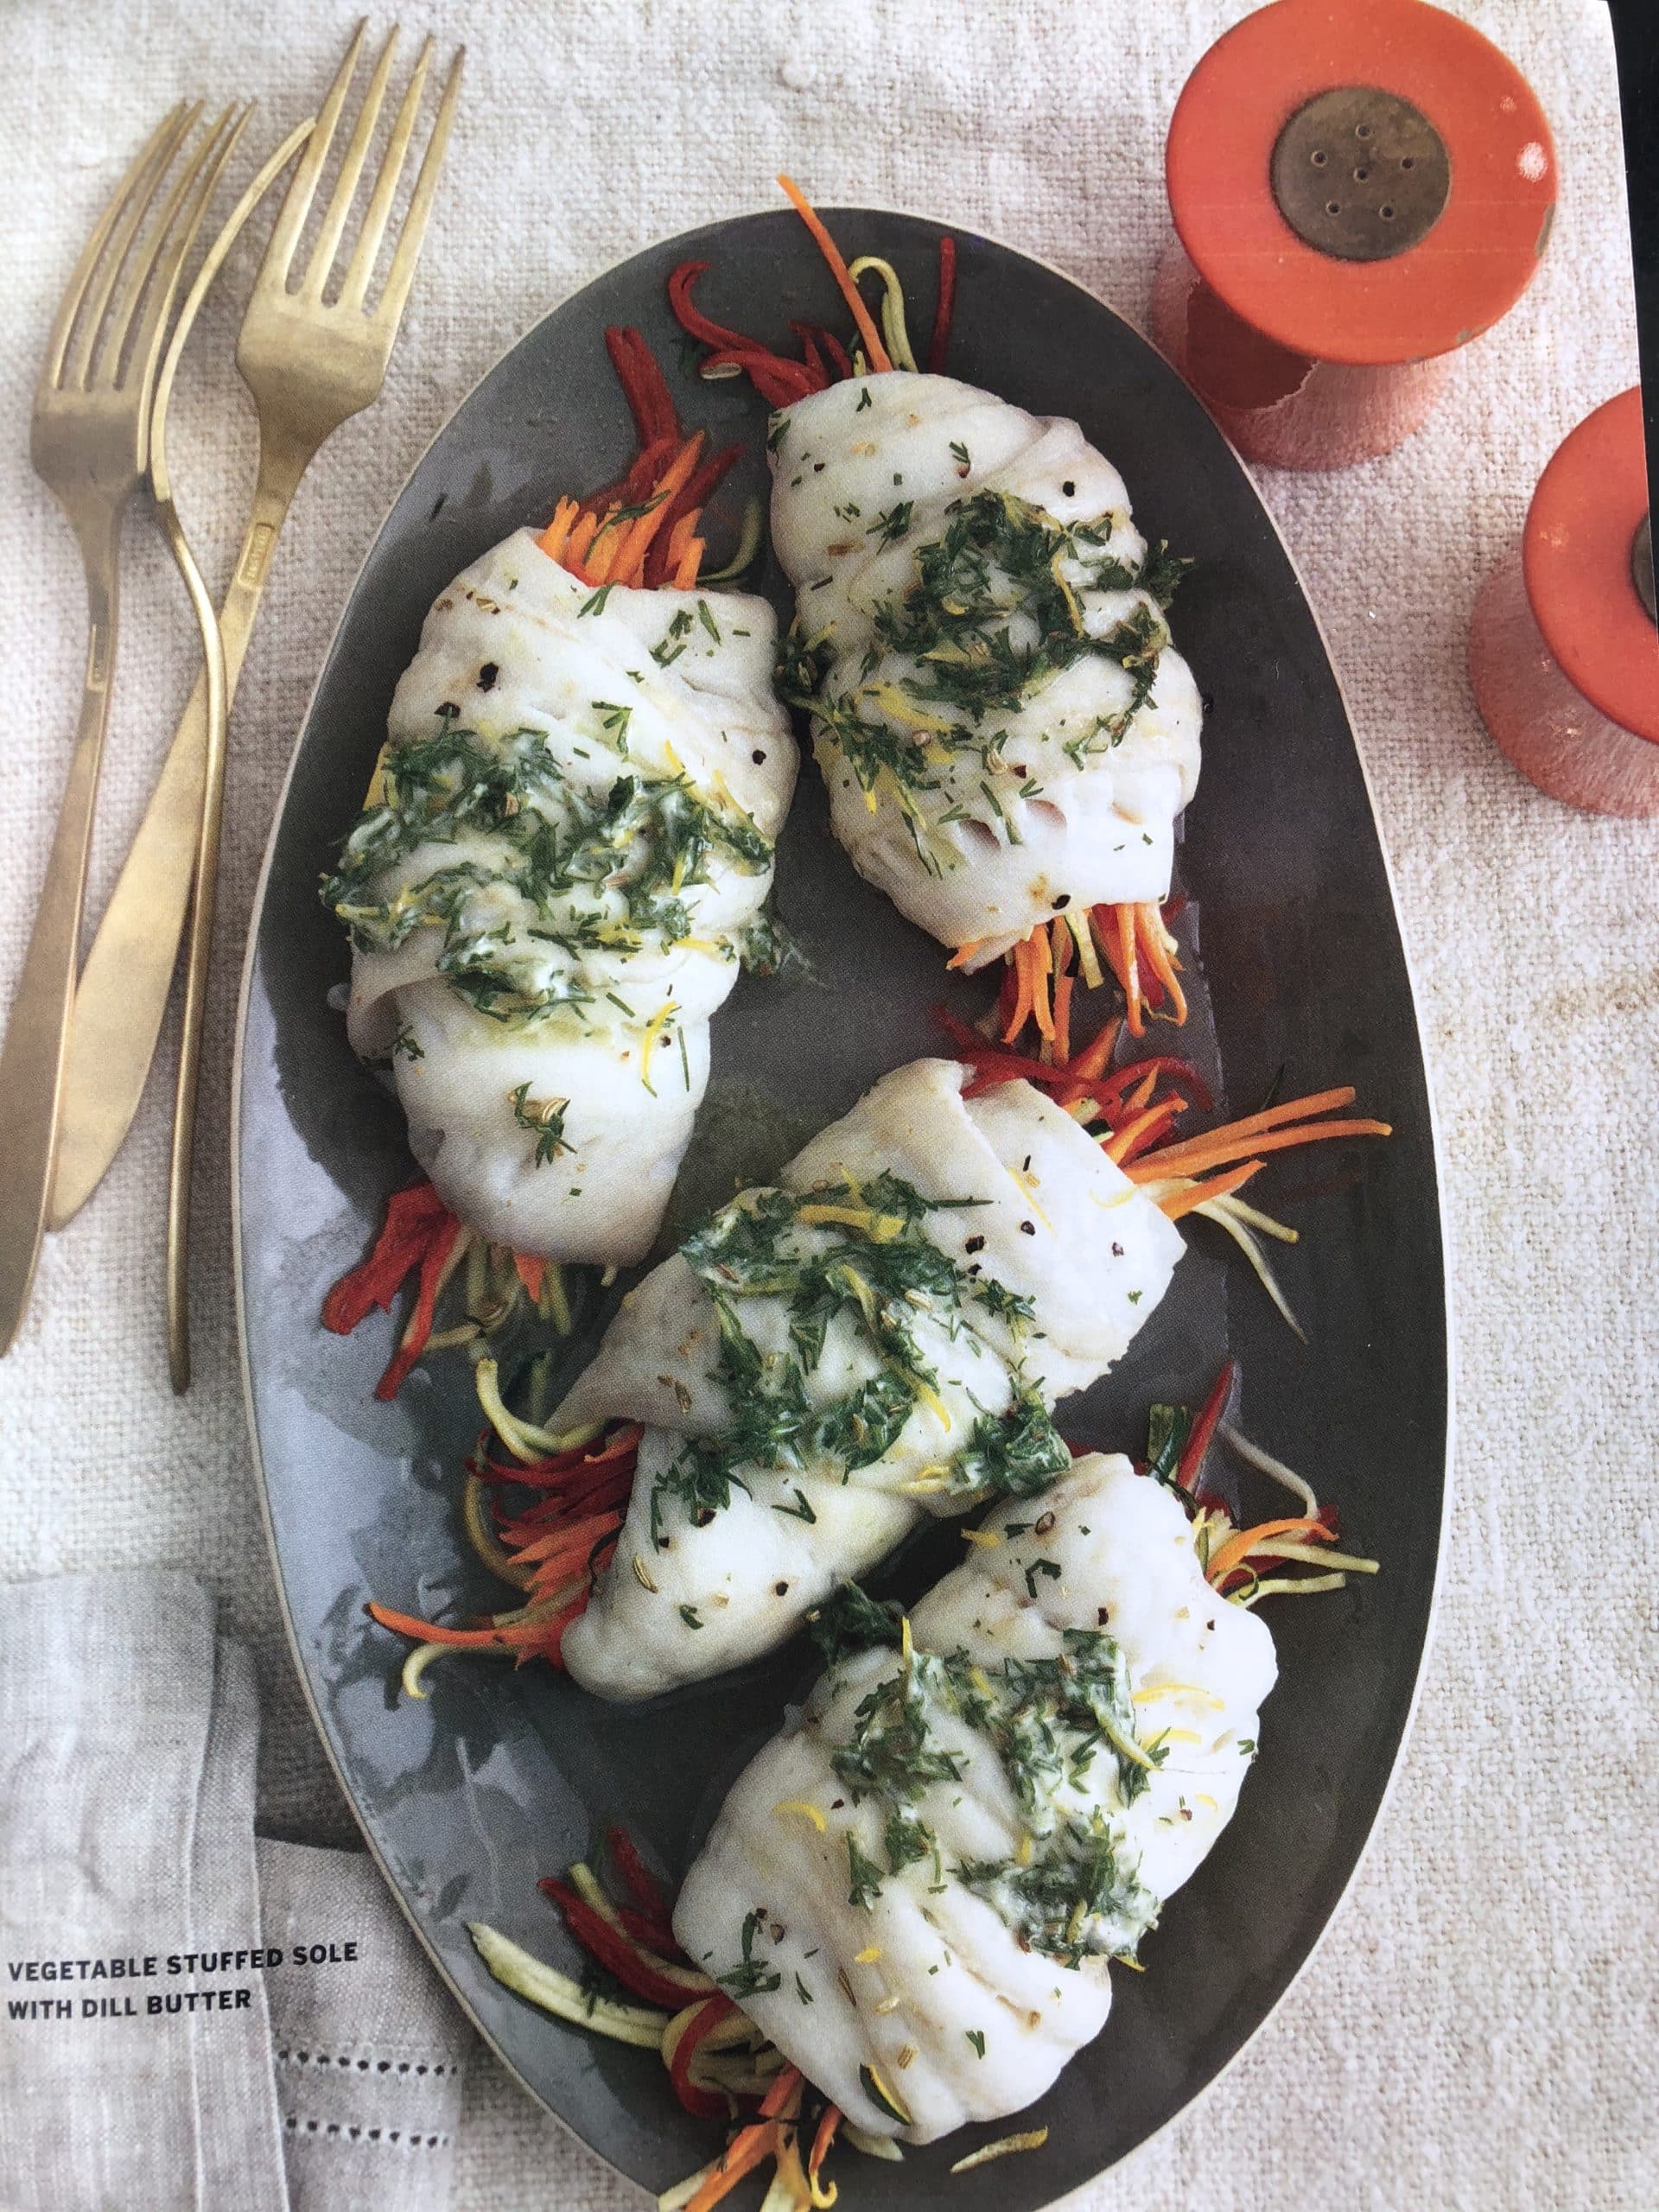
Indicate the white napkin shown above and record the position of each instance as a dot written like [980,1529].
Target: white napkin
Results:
[155,2054]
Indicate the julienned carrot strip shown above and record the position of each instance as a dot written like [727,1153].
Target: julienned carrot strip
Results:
[944,312]
[1190,1466]
[1193,1156]
[532,1271]
[743,2154]
[685,575]
[637,535]
[1237,1548]
[1091,1064]
[600,557]
[780,2092]
[822,2139]
[581,538]
[429,1632]
[963,953]
[1155,939]
[1179,1203]
[1129,974]
[1037,954]
[553,539]
[1021,1013]
[1127,1143]
[874,352]
[1270,1117]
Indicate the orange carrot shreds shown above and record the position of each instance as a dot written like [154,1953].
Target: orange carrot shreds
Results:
[555,537]
[821,2142]
[532,1271]
[599,561]
[1022,997]
[964,953]
[642,528]
[874,352]
[1136,1135]
[582,537]
[742,2155]
[1038,957]
[1091,1064]
[1195,1154]
[557,1543]
[945,314]
[1293,1110]
[1126,966]
[690,561]
[679,537]
[1143,1090]
[1175,1204]
[1160,948]
[1237,1548]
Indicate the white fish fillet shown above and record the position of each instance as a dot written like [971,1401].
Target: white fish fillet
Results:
[666,696]
[978,829]
[1021,1198]
[940,1992]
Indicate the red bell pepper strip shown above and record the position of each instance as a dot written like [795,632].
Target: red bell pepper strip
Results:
[1190,1466]
[413,1216]
[945,314]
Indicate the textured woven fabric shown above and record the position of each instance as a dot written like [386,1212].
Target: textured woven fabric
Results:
[367,2050]
[1478,2029]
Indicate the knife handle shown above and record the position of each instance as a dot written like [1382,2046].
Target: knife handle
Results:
[32,1058]
[121,1002]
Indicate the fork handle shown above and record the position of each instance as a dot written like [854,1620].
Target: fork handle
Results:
[122,999]
[33,1058]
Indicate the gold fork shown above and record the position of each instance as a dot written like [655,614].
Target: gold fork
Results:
[89,440]
[309,364]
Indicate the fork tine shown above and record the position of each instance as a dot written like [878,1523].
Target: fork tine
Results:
[290,217]
[355,289]
[389,312]
[74,292]
[350,170]
[142,264]
[138,207]
[172,246]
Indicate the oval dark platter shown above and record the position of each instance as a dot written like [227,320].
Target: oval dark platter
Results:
[504,1776]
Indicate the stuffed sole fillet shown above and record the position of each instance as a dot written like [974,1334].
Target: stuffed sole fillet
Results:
[916,1891]
[881,1336]
[565,851]
[1005,728]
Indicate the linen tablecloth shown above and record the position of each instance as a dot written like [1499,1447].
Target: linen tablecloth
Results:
[1478,2029]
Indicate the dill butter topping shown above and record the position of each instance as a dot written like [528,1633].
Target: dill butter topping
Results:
[981,639]
[562,862]
[841,1326]
[880,1335]
[979,1808]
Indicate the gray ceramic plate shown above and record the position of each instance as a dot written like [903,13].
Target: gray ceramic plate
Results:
[503,1776]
